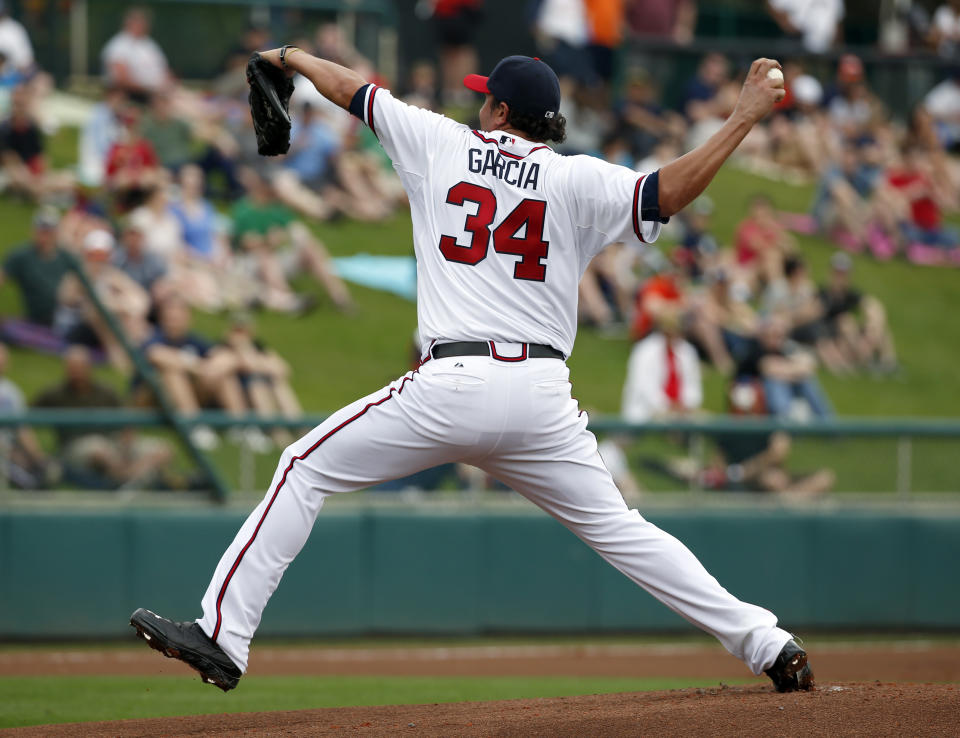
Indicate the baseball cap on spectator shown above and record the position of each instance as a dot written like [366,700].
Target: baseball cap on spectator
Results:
[526,84]
[841,262]
[46,217]
[807,90]
[850,68]
[98,244]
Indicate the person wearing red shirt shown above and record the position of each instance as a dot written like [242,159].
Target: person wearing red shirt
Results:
[761,241]
[132,167]
[923,196]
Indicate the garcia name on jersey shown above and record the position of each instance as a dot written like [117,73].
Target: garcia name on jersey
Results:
[522,174]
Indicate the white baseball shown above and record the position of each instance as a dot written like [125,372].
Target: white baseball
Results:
[776,75]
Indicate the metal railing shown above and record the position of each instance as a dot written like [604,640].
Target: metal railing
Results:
[904,431]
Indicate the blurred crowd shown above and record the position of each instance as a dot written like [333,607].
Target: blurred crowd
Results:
[170,210]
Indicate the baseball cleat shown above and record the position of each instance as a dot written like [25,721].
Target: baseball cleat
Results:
[791,672]
[188,643]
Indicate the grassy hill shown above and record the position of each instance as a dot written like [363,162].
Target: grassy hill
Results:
[338,358]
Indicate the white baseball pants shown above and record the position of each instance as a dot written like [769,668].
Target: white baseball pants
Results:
[517,421]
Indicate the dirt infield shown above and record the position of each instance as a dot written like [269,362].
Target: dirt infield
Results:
[907,661]
[839,709]
[863,689]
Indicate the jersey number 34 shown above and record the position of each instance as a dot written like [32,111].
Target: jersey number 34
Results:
[530,246]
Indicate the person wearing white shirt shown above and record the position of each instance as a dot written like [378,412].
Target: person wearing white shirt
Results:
[817,22]
[943,105]
[132,60]
[15,44]
[945,28]
[663,376]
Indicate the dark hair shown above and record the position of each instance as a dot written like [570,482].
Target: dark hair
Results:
[537,128]
[791,265]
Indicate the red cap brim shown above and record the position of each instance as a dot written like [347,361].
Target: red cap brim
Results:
[477,83]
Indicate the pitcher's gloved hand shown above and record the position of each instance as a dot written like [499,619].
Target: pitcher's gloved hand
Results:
[270,91]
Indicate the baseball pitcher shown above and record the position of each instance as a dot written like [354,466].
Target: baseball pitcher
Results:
[503,229]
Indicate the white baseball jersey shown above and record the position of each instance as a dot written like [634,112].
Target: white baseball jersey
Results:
[503,227]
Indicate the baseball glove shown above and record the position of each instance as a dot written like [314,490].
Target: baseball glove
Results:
[270,91]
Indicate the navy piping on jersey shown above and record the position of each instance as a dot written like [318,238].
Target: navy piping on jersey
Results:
[361,104]
[507,153]
[646,203]
[650,199]
[283,479]
[356,103]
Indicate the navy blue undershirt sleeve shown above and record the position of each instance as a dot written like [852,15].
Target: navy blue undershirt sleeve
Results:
[650,199]
[356,104]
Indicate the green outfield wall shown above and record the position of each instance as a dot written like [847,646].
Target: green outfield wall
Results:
[80,574]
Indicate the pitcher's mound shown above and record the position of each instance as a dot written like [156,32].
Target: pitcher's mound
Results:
[833,709]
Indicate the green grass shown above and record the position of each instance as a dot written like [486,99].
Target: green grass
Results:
[43,700]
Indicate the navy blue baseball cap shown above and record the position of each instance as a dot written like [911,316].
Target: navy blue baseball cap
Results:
[526,84]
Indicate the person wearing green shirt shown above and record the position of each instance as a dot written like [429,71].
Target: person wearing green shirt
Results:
[170,136]
[37,269]
[259,215]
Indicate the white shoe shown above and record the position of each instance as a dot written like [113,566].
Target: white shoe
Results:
[253,438]
[204,438]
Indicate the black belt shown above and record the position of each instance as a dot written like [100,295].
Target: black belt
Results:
[487,348]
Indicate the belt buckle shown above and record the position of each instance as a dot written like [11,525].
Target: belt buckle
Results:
[502,351]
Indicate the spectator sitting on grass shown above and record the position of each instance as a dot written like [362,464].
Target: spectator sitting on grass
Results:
[38,268]
[264,374]
[132,170]
[196,374]
[853,342]
[201,228]
[761,243]
[725,320]
[700,247]
[852,206]
[194,278]
[663,374]
[169,135]
[144,267]
[316,161]
[78,321]
[784,369]
[757,461]
[99,459]
[275,247]
[942,104]
[135,62]
[99,134]
[22,157]
[27,465]
[924,196]
[794,296]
